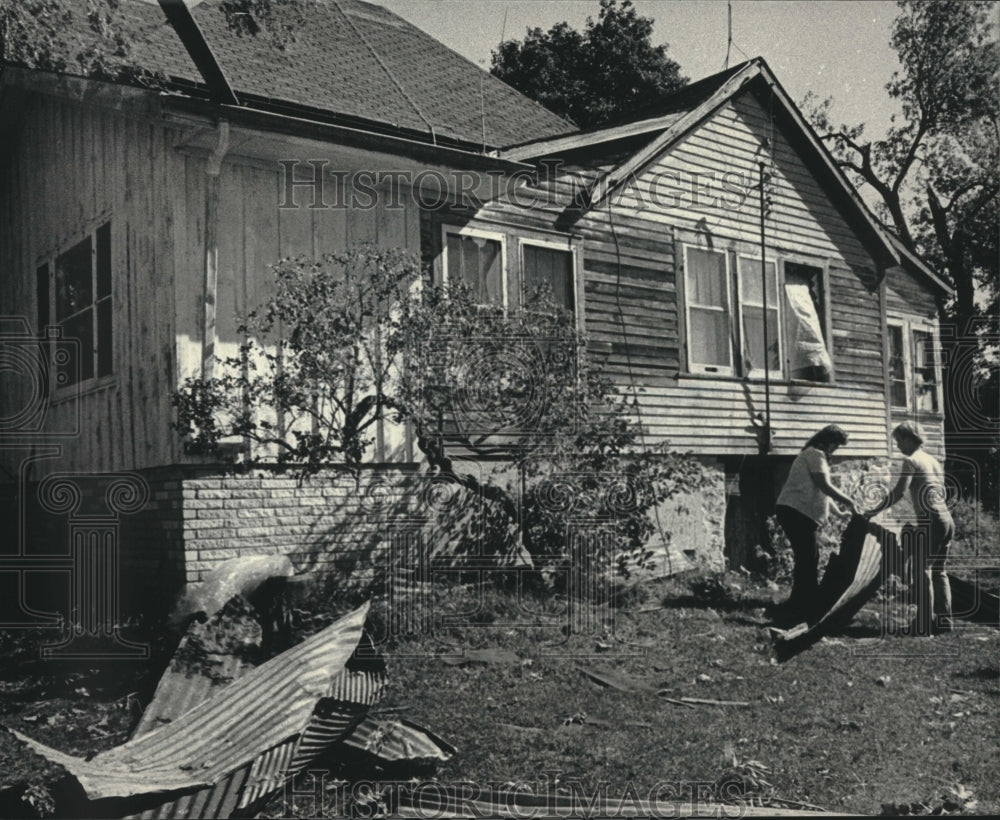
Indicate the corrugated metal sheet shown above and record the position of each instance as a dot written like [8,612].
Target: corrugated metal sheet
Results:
[268,706]
[210,655]
[217,801]
[268,772]
[851,578]
[395,740]
[201,664]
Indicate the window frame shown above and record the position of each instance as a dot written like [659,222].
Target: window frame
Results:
[48,260]
[910,326]
[826,320]
[905,355]
[700,368]
[933,342]
[779,283]
[732,252]
[481,233]
[567,245]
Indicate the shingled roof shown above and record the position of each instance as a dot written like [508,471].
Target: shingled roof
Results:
[357,62]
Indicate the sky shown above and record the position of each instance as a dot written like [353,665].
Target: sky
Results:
[837,48]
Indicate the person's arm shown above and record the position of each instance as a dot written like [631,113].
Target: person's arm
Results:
[895,494]
[821,476]
[824,483]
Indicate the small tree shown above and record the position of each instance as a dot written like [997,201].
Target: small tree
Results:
[361,338]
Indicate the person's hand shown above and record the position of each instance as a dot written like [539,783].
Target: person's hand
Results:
[852,508]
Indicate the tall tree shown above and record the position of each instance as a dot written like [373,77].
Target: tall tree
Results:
[595,76]
[936,175]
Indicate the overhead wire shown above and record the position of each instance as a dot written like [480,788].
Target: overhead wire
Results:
[388,71]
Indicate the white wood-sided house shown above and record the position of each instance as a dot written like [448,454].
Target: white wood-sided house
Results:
[140,222]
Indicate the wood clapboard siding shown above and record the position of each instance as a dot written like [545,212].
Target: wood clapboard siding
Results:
[67,167]
[906,296]
[687,192]
[632,268]
[713,416]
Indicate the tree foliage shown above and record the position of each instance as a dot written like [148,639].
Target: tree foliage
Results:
[593,77]
[937,176]
[360,339]
[96,38]
[90,39]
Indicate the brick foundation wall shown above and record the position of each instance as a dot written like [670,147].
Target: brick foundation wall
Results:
[195,518]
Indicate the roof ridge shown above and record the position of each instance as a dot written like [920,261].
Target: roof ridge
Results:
[385,68]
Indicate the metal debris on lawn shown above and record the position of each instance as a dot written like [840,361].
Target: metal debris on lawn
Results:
[237,576]
[482,656]
[210,655]
[868,554]
[617,680]
[221,734]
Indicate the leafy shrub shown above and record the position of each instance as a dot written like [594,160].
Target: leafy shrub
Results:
[360,339]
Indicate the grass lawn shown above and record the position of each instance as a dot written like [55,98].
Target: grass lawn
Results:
[851,724]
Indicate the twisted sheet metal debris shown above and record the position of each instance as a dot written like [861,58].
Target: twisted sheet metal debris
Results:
[243,721]
[394,740]
[868,554]
[210,655]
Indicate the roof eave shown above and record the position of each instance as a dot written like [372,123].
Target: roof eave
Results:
[306,128]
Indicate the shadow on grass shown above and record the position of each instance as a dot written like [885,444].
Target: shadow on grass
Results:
[990,673]
[690,601]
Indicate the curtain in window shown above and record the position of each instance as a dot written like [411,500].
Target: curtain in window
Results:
[708,308]
[547,266]
[807,350]
[476,261]
[752,309]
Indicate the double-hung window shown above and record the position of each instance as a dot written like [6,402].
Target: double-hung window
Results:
[547,267]
[74,292]
[479,259]
[753,313]
[709,314]
[806,331]
[914,381]
[897,367]
[925,379]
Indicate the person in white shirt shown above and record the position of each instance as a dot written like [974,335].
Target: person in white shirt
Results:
[802,507]
[923,475]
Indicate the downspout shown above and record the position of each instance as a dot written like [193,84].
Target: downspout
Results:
[212,170]
[190,34]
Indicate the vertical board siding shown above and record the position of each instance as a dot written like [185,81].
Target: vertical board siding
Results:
[254,234]
[68,166]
